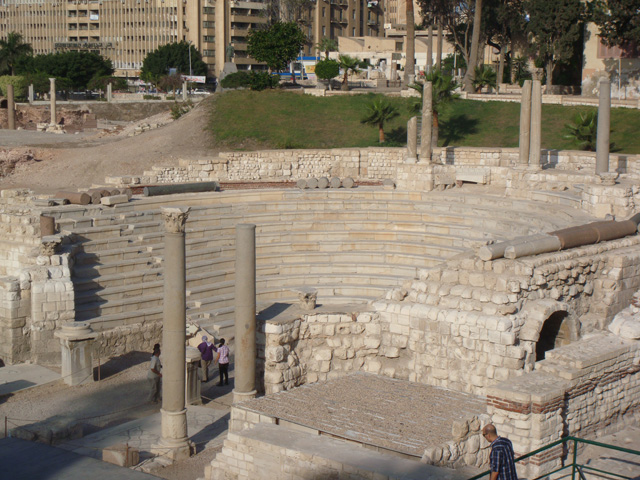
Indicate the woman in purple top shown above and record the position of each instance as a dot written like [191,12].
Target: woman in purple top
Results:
[206,352]
[223,362]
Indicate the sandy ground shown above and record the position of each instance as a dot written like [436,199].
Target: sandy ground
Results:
[81,160]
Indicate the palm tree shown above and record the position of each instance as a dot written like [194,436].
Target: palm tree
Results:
[473,54]
[327,45]
[484,75]
[442,94]
[379,112]
[583,130]
[348,64]
[11,49]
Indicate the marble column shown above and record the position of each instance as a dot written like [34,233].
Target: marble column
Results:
[525,123]
[76,340]
[429,64]
[604,119]
[32,93]
[52,94]
[174,443]
[193,386]
[109,92]
[412,140]
[427,123]
[536,125]
[245,313]
[11,108]
[184,92]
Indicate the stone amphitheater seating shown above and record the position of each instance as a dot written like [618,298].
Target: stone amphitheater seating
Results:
[351,246]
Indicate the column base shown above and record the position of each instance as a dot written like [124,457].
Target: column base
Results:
[411,160]
[174,444]
[239,397]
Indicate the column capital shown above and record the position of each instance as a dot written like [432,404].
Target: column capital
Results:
[175,218]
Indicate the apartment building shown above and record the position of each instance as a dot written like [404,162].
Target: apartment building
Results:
[125,31]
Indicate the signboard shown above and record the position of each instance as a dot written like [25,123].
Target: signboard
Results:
[87,45]
[194,78]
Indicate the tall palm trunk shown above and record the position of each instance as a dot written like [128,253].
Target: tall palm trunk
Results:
[473,54]
[410,44]
[440,40]
[381,133]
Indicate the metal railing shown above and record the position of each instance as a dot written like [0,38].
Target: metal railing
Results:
[577,470]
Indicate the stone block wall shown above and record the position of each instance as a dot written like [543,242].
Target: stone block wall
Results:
[128,338]
[587,388]
[15,309]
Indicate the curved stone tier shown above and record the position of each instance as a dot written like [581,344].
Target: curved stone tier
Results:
[350,245]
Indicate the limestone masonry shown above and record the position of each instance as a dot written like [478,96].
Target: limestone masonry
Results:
[373,287]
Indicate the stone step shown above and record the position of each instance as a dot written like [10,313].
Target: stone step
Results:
[565,198]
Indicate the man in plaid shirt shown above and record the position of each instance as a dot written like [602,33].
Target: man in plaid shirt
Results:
[501,459]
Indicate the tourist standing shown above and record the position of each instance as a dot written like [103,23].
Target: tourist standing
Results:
[501,458]
[154,375]
[206,352]
[223,362]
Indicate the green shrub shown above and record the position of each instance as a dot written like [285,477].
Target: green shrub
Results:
[179,109]
[235,80]
[19,85]
[262,80]
[151,97]
[170,97]
[327,69]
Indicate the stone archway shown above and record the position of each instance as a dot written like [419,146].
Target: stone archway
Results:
[554,333]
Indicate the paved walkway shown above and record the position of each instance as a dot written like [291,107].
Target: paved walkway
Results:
[23,460]
[207,428]
[19,377]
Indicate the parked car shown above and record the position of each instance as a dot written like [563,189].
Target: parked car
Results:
[200,91]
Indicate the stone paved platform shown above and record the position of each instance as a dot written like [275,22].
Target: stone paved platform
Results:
[393,414]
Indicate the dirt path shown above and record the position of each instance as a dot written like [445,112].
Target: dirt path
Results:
[77,161]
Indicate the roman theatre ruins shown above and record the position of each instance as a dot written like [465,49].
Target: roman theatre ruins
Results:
[400,314]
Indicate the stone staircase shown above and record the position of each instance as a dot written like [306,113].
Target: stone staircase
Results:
[351,246]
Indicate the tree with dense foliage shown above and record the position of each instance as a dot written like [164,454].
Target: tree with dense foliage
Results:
[349,65]
[170,82]
[378,113]
[11,49]
[442,93]
[327,45]
[504,22]
[158,63]
[618,20]
[100,83]
[277,45]
[77,67]
[327,69]
[554,26]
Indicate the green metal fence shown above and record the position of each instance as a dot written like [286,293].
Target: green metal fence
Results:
[577,470]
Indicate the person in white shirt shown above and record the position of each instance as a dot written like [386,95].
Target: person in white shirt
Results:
[154,375]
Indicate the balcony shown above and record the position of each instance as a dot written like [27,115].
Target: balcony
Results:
[239,32]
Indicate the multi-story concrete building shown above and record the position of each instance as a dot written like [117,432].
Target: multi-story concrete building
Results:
[125,31]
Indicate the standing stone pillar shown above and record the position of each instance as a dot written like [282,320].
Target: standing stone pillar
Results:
[412,140]
[536,124]
[109,92]
[76,340]
[174,442]
[184,92]
[394,71]
[245,313]
[193,387]
[525,123]
[604,119]
[426,133]
[11,108]
[52,94]
[32,93]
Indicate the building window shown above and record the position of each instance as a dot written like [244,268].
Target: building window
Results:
[353,32]
[324,12]
[324,31]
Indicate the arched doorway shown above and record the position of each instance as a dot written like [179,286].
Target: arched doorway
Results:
[555,332]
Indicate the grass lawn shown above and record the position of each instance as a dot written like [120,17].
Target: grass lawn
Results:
[280,119]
